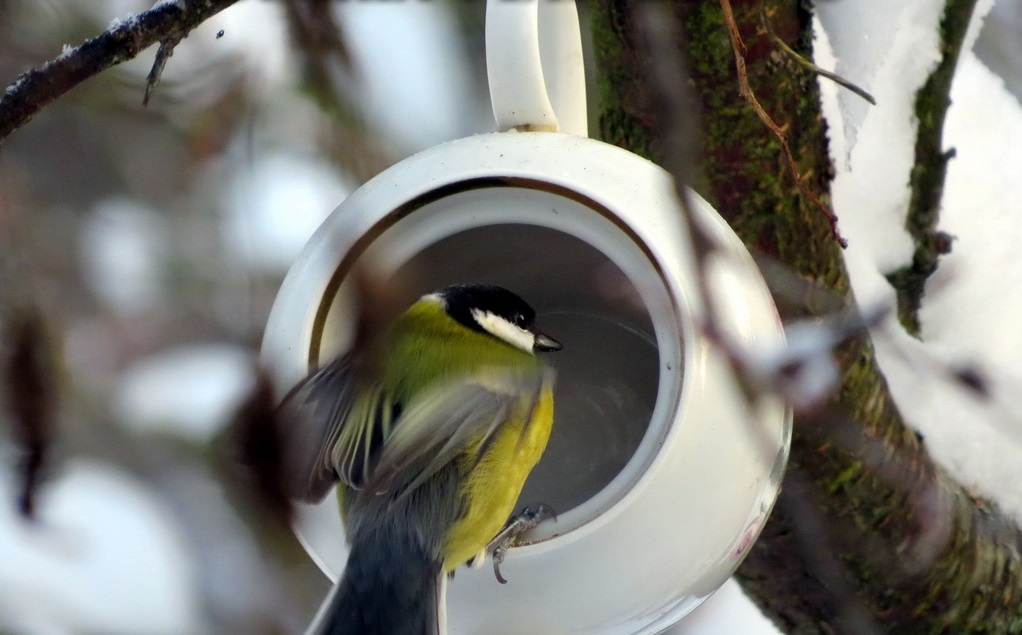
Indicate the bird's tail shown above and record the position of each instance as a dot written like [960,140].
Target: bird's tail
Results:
[390,586]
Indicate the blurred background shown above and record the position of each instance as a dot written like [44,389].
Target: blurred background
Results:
[153,241]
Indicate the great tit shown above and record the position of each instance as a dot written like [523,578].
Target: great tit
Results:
[429,433]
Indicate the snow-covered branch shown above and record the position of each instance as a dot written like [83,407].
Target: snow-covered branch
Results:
[167,22]
[928,175]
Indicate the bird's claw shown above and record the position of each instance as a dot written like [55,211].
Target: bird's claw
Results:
[509,536]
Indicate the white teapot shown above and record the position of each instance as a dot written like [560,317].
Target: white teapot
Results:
[660,473]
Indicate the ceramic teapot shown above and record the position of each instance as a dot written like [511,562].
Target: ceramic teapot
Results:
[661,473]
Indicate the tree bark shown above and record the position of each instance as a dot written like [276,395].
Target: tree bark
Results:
[866,522]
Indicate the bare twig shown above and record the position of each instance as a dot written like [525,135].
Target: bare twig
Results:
[930,168]
[732,31]
[738,46]
[162,55]
[834,77]
[35,89]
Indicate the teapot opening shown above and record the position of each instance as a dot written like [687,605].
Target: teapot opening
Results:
[609,372]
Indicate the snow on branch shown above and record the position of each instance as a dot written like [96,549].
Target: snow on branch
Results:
[166,23]
[930,167]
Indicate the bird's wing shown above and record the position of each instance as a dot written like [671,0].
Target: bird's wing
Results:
[328,432]
[436,427]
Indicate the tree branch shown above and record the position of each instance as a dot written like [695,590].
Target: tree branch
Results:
[903,540]
[167,22]
[930,168]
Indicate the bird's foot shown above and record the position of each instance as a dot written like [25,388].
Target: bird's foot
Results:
[509,536]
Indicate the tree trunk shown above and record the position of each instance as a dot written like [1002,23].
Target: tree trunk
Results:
[868,532]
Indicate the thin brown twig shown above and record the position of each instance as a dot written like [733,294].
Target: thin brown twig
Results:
[746,92]
[732,30]
[795,55]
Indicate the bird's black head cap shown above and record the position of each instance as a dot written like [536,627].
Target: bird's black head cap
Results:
[461,299]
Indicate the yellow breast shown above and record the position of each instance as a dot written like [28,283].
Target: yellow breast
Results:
[493,486]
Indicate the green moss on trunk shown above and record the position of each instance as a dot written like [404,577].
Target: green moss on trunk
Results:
[917,551]
[621,91]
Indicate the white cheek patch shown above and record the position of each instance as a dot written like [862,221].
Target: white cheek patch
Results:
[499,327]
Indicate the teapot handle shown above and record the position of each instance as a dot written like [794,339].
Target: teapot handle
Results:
[534,66]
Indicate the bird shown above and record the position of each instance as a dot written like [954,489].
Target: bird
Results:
[429,432]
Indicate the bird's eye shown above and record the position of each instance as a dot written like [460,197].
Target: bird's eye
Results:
[519,320]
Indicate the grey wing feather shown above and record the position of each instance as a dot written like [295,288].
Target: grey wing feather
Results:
[434,428]
[311,418]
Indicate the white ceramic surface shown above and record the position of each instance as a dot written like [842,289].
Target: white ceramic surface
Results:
[534,66]
[680,514]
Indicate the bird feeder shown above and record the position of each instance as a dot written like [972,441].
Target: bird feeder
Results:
[661,471]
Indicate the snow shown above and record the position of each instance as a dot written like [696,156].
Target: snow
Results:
[969,315]
[968,312]
[416,82]
[885,47]
[728,611]
[979,20]
[871,185]
[191,391]
[965,312]
[274,205]
[122,250]
[105,557]
[127,21]
[999,46]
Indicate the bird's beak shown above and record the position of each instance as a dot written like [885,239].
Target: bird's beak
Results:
[545,344]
